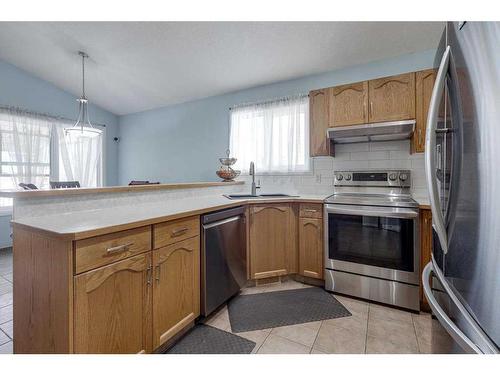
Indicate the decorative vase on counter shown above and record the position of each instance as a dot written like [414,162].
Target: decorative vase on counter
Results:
[225,171]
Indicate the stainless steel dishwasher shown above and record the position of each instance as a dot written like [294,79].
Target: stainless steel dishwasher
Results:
[223,257]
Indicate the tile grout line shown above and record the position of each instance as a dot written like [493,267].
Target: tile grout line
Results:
[415,331]
[263,342]
[316,337]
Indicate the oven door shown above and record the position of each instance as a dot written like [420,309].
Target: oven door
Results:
[380,242]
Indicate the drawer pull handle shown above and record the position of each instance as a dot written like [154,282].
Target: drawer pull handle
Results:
[309,210]
[179,232]
[117,249]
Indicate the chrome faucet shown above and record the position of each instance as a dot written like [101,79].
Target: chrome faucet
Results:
[252,173]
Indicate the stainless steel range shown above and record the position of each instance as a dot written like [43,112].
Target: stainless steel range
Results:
[372,237]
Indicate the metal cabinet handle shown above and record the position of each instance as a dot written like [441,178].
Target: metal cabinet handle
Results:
[309,210]
[158,270]
[179,232]
[149,276]
[430,146]
[119,248]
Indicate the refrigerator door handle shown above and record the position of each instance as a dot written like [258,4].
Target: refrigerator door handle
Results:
[464,342]
[430,147]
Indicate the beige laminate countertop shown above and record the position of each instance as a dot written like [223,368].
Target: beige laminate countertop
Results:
[85,224]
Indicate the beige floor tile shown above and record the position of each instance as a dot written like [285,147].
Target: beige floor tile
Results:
[383,312]
[6,299]
[317,351]
[377,345]
[258,337]
[275,344]
[7,348]
[5,314]
[3,338]
[220,320]
[431,336]
[274,287]
[355,323]
[304,334]
[356,307]
[336,339]
[391,335]
[8,328]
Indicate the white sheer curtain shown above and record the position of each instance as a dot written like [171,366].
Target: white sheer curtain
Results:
[80,158]
[25,148]
[274,135]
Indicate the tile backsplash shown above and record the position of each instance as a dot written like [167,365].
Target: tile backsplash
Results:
[368,155]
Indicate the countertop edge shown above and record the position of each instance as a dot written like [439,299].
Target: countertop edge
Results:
[111,189]
[75,236]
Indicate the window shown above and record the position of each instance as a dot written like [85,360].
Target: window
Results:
[274,135]
[34,149]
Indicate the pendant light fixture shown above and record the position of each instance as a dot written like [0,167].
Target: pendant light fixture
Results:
[83,127]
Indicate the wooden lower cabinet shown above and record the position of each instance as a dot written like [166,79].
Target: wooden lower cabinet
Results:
[176,288]
[112,308]
[311,247]
[271,237]
[425,249]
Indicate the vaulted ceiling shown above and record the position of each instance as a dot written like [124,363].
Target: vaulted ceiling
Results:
[135,66]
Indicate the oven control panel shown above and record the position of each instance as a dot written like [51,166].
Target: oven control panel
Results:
[381,178]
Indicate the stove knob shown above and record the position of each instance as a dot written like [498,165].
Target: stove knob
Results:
[348,177]
[340,177]
[393,176]
[403,176]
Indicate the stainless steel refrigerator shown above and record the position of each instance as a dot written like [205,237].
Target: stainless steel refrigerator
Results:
[462,161]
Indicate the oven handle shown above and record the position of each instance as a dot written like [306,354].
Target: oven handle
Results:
[391,212]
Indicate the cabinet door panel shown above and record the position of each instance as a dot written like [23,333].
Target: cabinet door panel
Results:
[423,92]
[348,104]
[112,308]
[176,288]
[311,247]
[269,240]
[392,98]
[318,122]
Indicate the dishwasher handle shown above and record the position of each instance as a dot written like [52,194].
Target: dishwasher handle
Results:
[222,222]
[220,215]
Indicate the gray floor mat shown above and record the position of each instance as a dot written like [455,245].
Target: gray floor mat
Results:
[275,309]
[203,339]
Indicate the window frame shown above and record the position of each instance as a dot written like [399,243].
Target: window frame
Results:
[308,172]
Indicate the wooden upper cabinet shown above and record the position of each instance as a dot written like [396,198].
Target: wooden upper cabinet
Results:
[392,98]
[270,238]
[176,288]
[112,308]
[318,122]
[423,92]
[348,104]
[311,247]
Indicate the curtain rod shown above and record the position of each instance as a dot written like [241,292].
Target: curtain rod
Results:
[282,98]
[14,108]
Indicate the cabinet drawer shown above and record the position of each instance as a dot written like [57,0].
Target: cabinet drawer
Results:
[311,210]
[98,251]
[174,231]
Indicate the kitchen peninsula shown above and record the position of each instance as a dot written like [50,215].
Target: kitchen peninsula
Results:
[87,262]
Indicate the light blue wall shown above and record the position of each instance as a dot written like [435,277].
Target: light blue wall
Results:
[183,142]
[20,89]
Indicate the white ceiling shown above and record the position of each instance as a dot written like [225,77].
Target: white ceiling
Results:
[135,66]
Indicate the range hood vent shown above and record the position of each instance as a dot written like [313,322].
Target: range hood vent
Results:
[381,131]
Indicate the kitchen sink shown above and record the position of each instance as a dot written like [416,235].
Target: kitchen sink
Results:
[261,196]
